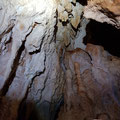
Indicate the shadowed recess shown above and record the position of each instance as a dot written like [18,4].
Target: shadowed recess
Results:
[105,35]
[83,2]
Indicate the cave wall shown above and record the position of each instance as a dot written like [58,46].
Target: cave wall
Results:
[28,59]
[71,24]
[92,88]
[35,77]
[104,11]
[32,38]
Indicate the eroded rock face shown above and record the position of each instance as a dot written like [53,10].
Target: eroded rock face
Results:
[71,24]
[28,58]
[92,85]
[104,11]
[34,37]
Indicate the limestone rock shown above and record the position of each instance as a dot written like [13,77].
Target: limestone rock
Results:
[69,20]
[81,34]
[28,58]
[77,12]
[104,11]
[92,85]
[43,67]
[68,7]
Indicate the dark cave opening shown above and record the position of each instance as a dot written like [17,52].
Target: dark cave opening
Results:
[105,35]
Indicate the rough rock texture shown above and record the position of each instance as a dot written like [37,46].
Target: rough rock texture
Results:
[28,59]
[104,11]
[70,24]
[81,34]
[34,37]
[92,88]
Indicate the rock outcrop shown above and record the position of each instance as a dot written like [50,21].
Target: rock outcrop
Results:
[28,59]
[104,11]
[32,37]
[92,85]
[71,24]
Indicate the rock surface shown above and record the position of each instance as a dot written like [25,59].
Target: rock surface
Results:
[28,59]
[104,11]
[92,85]
[70,24]
[34,38]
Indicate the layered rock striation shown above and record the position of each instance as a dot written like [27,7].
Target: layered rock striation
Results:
[28,59]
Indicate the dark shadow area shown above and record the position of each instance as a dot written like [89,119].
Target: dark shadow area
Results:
[44,111]
[82,2]
[105,35]
[58,105]
[32,111]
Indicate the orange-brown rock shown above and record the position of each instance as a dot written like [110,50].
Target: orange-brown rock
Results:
[104,11]
[92,85]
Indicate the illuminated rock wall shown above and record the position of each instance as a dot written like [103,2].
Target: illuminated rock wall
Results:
[28,59]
